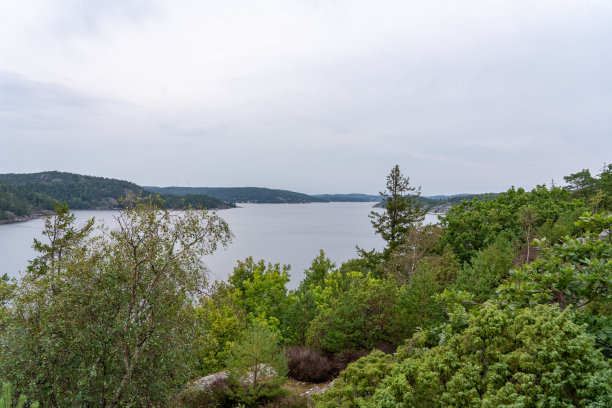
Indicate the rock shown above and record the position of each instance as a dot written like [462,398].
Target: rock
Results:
[264,372]
[209,391]
[209,380]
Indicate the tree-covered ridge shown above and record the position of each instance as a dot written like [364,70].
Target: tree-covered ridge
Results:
[258,195]
[352,198]
[441,204]
[40,190]
[262,195]
[20,203]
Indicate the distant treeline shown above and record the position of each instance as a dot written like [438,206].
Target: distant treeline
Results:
[26,195]
[262,195]
[242,194]
[441,204]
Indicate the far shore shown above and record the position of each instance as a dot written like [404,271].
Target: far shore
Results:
[40,215]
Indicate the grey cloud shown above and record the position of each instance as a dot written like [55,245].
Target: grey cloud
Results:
[463,108]
[25,103]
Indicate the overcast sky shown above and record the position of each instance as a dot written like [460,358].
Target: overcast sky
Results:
[312,96]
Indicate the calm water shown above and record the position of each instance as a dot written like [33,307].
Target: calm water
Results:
[284,233]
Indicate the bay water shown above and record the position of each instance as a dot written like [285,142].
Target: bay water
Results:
[279,233]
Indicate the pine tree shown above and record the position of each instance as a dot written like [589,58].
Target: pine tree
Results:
[402,211]
[257,367]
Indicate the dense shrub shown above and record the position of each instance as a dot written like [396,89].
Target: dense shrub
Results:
[487,270]
[310,365]
[525,358]
[576,273]
[356,312]
[358,381]
[516,215]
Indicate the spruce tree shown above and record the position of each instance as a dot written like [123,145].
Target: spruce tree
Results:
[402,211]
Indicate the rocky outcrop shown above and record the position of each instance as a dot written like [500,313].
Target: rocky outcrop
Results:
[209,391]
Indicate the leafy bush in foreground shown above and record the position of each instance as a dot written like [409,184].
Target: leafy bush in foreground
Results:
[527,358]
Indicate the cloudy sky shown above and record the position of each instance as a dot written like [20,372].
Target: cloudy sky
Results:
[313,96]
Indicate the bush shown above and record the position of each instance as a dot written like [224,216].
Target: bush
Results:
[309,365]
[487,270]
[525,358]
[356,312]
[358,381]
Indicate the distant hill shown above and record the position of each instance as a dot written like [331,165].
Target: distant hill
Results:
[444,197]
[24,195]
[258,195]
[443,204]
[440,204]
[353,198]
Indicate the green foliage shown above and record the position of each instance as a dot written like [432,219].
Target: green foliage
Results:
[220,322]
[516,216]
[301,309]
[319,269]
[418,243]
[357,382]
[401,212]
[356,312]
[419,307]
[65,242]
[257,367]
[520,358]
[19,202]
[6,398]
[576,273]
[489,267]
[596,191]
[442,202]
[301,306]
[256,294]
[261,291]
[368,262]
[108,319]
[7,291]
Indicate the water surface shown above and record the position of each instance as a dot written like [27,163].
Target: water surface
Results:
[284,233]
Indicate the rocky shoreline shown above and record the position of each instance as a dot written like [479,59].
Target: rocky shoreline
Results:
[16,219]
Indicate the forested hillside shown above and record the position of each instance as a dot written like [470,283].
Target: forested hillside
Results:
[265,195]
[506,302]
[20,203]
[348,197]
[32,193]
[241,194]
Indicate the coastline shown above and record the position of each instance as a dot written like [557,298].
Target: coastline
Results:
[25,218]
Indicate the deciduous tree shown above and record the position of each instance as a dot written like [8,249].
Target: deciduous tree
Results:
[107,320]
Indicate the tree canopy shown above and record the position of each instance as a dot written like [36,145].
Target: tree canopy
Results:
[401,212]
[103,320]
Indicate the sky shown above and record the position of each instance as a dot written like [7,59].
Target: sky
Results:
[307,95]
